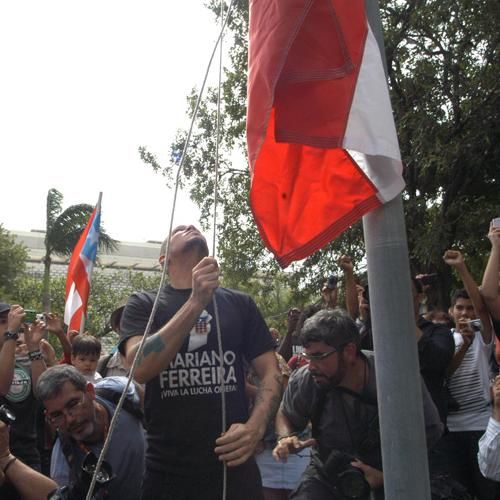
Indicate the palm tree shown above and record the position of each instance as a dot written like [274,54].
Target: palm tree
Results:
[63,230]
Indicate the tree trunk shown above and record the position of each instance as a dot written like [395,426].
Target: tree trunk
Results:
[46,283]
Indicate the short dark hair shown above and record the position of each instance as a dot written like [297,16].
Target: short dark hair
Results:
[331,326]
[52,380]
[461,293]
[86,344]
[308,311]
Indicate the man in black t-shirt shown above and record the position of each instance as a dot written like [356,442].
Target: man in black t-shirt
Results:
[184,376]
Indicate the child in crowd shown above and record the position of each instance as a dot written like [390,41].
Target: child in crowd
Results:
[85,352]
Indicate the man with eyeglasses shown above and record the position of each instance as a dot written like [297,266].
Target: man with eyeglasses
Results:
[336,392]
[82,420]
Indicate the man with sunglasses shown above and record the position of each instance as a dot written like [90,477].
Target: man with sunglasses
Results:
[336,392]
[74,407]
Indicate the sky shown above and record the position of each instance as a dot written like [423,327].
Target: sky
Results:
[83,85]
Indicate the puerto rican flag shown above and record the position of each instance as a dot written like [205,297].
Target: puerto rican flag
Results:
[321,139]
[80,271]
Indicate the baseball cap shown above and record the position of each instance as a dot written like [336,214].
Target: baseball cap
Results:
[4,307]
[116,316]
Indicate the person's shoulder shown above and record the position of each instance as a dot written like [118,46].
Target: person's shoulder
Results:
[234,296]
[144,296]
[429,328]
[301,377]
[231,292]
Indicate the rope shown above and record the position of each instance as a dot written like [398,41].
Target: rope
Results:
[216,308]
[140,349]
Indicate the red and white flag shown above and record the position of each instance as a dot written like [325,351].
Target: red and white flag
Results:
[80,272]
[321,139]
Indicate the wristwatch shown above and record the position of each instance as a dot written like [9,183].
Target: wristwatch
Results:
[10,336]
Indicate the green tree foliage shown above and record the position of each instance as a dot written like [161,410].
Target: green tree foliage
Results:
[63,230]
[443,71]
[443,68]
[105,295]
[12,262]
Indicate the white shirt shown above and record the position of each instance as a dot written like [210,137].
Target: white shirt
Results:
[470,386]
[488,456]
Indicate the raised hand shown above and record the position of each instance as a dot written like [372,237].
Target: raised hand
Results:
[205,280]
[15,317]
[453,258]
[345,262]
[33,334]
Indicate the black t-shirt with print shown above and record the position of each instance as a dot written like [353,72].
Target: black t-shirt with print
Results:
[183,403]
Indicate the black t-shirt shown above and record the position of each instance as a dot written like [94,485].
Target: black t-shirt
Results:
[183,403]
[435,352]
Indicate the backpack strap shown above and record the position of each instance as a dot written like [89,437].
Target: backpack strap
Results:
[113,397]
[102,365]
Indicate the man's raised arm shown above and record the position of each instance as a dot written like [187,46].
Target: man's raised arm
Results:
[489,287]
[455,259]
[161,347]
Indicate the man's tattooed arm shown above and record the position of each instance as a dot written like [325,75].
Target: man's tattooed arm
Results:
[269,391]
[153,344]
[163,346]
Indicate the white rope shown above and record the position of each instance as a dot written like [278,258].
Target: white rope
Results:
[140,349]
[216,308]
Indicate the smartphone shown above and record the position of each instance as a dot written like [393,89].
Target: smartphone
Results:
[495,222]
[29,316]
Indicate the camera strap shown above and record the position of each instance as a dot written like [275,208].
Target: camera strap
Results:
[360,398]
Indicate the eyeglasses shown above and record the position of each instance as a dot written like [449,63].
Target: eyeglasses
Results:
[317,357]
[73,405]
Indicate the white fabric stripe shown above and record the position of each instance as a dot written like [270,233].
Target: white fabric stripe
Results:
[73,302]
[383,172]
[370,126]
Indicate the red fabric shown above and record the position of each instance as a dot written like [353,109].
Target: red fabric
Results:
[77,274]
[304,60]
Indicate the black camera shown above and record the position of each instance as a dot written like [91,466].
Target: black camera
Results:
[428,279]
[7,416]
[79,490]
[349,481]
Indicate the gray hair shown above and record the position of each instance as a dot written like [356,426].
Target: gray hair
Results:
[52,380]
[331,326]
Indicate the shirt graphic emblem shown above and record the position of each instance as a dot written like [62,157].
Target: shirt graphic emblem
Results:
[198,335]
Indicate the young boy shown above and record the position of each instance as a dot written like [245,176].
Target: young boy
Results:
[85,353]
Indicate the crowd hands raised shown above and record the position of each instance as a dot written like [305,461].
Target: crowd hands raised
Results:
[302,418]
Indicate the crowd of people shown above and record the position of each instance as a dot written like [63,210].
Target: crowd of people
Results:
[222,407]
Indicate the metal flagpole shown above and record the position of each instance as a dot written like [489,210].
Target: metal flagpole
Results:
[399,394]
